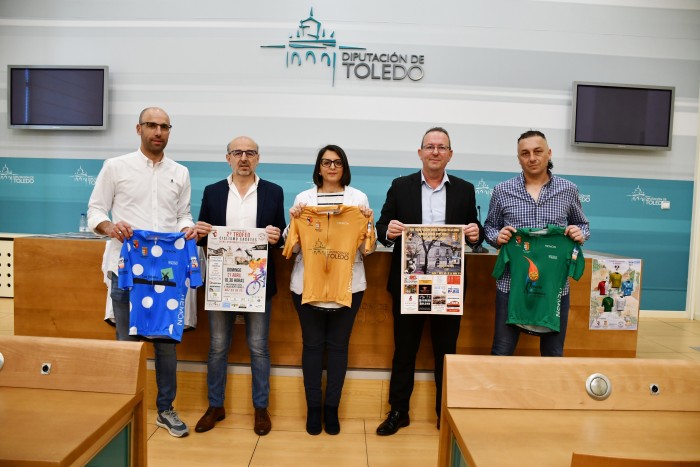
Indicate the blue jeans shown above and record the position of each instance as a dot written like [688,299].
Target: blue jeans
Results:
[325,331]
[165,354]
[506,336]
[257,328]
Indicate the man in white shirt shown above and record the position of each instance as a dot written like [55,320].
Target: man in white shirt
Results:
[144,190]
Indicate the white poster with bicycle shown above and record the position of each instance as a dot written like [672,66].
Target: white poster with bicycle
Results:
[236,270]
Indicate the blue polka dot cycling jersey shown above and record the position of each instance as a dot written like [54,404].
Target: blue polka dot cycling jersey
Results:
[157,268]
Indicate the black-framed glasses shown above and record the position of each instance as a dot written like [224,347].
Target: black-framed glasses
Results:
[164,127]
[441,149]
[337,163]
[238,153]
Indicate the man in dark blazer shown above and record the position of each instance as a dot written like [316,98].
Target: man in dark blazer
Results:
[426,197]
[242,200]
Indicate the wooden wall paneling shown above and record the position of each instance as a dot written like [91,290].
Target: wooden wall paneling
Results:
[59,292]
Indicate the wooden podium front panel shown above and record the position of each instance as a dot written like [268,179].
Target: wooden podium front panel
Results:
[59,292]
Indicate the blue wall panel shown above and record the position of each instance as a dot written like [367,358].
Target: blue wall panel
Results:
[47,196]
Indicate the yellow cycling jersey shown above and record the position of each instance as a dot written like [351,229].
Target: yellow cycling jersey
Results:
[329,236]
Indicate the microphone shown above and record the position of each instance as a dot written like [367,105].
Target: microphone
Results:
[479,248]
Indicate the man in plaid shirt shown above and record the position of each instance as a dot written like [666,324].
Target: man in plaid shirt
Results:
[536,198]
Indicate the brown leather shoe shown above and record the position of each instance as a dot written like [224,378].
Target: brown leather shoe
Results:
[263,424]
[209,419]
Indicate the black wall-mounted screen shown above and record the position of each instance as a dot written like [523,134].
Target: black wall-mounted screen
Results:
[57,97]
[622,116]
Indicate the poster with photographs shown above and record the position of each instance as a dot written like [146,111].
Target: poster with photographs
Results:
[616,286]
[236,270]
[433,267]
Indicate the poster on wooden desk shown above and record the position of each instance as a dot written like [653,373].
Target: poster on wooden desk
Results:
[236,270]
[433,269]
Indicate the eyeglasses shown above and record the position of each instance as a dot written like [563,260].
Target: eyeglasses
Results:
[237,153]
[337,163]
[440,149]
[164,127]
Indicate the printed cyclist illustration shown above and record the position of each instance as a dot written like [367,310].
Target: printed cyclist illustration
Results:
[257,267]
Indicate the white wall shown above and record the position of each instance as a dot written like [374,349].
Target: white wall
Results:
[492,68]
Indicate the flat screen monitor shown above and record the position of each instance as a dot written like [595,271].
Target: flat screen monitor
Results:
[622,116]
[57,97]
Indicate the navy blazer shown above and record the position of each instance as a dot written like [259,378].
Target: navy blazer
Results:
[403,203]
[270,212]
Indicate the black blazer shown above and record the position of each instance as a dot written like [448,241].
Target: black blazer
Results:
[403,203]
[270,212]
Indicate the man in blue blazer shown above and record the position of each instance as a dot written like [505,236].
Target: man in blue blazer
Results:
[426,197]
[242,200]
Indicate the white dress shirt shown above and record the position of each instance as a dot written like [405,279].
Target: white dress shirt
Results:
[145,195]
[242,212]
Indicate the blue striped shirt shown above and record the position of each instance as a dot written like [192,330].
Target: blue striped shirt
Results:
[511,204]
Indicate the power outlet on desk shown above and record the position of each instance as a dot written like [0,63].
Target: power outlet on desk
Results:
[45,368]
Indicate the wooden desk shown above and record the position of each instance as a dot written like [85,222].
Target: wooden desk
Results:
[512,437]
[525,411]
[93,391]
[59,292]
[47,427]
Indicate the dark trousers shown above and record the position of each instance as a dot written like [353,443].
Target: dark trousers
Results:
[325,330]
[505,337]
[408,330]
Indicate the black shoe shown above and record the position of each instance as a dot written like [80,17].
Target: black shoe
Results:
[330,420]
[393,422]
[313,420]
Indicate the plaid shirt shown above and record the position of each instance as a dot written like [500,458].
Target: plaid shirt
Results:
[511,204]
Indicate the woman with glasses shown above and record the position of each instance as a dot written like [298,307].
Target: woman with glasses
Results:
[326,326]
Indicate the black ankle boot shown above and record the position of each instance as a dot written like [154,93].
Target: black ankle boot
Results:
[330,420]
[313,420]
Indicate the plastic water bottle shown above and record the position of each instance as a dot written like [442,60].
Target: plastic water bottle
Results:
[83,223]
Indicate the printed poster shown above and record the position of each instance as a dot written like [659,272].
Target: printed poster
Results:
[236,270]
[616,287]
[433,268]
